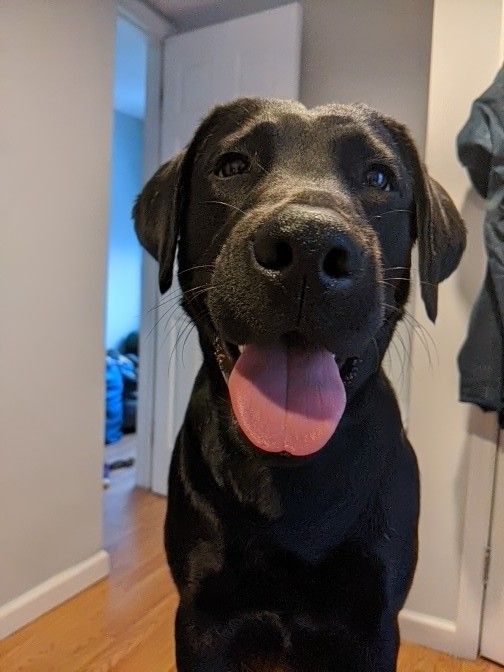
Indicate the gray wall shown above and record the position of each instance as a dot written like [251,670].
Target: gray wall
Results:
[55,138]
[376,53]
[372,52]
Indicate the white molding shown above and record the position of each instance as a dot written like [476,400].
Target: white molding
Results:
[491,641]
[30,605]
[149,290]
[436,633]
[483,432]
[146,373]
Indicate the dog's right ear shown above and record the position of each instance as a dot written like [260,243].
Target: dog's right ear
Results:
[156,214]
[160,209]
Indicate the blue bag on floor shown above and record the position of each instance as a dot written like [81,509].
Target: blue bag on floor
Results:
[114,400]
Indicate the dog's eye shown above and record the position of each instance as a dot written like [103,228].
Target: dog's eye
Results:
[380,177]
[232,164]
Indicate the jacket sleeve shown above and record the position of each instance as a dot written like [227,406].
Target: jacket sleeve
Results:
[483,135]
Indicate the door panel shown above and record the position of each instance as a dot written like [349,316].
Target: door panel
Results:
[257,55]
[492,635]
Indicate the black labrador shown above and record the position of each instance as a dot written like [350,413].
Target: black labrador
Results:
[293,491]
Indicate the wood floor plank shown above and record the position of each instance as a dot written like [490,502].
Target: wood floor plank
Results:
[414,658]
[125,624]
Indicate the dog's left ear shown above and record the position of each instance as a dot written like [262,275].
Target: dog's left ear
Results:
[156,214]
[440,229]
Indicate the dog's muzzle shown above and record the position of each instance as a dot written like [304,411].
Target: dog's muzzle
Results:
[286,384]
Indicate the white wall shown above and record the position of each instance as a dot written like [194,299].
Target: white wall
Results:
[453,443]
[56,62]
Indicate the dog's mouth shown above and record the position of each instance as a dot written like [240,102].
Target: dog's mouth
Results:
[288,397]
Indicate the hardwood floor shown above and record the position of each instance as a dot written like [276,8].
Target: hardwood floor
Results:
[125,624]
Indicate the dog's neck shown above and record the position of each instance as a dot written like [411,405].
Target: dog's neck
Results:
[268,485]
[294,500]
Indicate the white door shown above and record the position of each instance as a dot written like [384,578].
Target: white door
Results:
[492,634]
[254,55]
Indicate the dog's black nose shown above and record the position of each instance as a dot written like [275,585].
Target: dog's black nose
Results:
[309,248]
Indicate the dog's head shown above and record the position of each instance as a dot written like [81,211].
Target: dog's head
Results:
[295,229]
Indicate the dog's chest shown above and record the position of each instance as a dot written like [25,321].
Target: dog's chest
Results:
[311,533]
[321,508]
[258,575]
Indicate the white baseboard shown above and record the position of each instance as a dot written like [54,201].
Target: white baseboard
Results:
[30,605]
[436,633]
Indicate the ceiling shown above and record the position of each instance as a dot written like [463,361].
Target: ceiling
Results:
[190,14]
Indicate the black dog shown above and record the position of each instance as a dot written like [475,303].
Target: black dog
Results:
[293,493]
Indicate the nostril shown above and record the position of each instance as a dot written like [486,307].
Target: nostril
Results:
[336,263]
[272,253]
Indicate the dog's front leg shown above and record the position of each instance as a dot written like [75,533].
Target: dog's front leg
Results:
[343,647]
[243,642]
[200,645]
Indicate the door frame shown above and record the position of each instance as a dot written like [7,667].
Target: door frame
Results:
[156,28]
[488,633]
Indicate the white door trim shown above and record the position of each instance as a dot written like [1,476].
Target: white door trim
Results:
[461,636]
[156,28]
[491,642]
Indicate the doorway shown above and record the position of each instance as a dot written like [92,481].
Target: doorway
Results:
[124,263]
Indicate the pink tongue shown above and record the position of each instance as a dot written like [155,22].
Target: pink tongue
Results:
[287,399]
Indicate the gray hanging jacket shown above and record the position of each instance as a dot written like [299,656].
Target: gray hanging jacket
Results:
[481,149]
